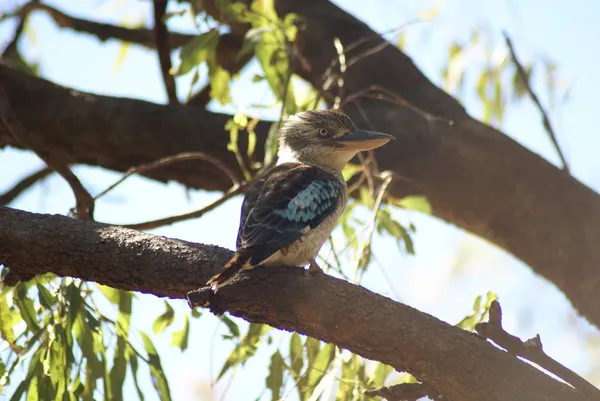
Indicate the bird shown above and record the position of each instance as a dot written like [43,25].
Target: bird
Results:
[288,214]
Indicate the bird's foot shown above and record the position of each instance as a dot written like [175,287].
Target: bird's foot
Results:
[314,268]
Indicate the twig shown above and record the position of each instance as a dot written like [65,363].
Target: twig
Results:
[235,190]
[164,51]
[531,350]
[11,48]
[165,161]
[545,119]
[84,203]
[23,185]
[142,36]
[402,392]
[377,204]
[186,216]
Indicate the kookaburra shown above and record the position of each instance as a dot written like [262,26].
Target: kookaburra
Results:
[288,215]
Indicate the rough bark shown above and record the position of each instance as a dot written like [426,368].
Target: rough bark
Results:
[475,176]
[453,362]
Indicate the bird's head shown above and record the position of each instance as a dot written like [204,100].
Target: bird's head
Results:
[324,137]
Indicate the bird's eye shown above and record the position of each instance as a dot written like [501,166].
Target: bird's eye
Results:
[323,132]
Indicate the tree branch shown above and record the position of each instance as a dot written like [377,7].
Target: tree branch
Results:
[403,392]
[161,34]
[23,185]
[451,361]
[473,175]
[545,119]
[141,36]
[531,350]
[84,208]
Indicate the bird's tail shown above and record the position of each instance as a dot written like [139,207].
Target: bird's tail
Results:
[226,274]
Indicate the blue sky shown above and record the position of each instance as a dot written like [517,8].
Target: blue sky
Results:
[450,268]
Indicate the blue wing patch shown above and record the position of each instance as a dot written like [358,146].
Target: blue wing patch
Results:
[311,202]
[292,199]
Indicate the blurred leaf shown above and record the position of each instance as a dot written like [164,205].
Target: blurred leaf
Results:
[381,373]
[385,223]
[112,294]
[34,370]
[196,51]
[119,368]
[10,318]
[26,307]
[246,348]
[320,366]
[271,145]
[431,13]
[312,349]
[47,299]
[85,340]
[133,363]
[180,338]
[219,85]
[366,197]
[275,378]
[480,312]
[350,170]
[519,87]
[123,50]
[159,379]
[164,320]
[251,39]
[416,203]
[296,355]
[234,330]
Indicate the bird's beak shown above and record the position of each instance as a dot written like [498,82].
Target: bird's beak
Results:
[362,140]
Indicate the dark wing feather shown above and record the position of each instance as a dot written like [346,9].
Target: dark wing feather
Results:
[292,199]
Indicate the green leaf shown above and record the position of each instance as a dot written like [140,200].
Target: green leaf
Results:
[47,299]
[180,338]
[196,51]
[26,307]
[271,145]
[417,203]
[312,349]
[112,294]
[158,375]
[320,366]
[220,80]
[275,378]
[381,373]
[119,368]
[246,348]
[234,330]
[296,355]
[164,320]
[133,363]
[385,223]
[251,39]
[10,317]
[350,170]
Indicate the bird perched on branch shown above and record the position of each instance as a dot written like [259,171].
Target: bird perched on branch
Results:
[289,214]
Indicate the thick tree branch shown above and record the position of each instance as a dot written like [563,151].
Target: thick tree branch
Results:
[531,350]
[474,176]
[142,36]
[451,361]
[84,208]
